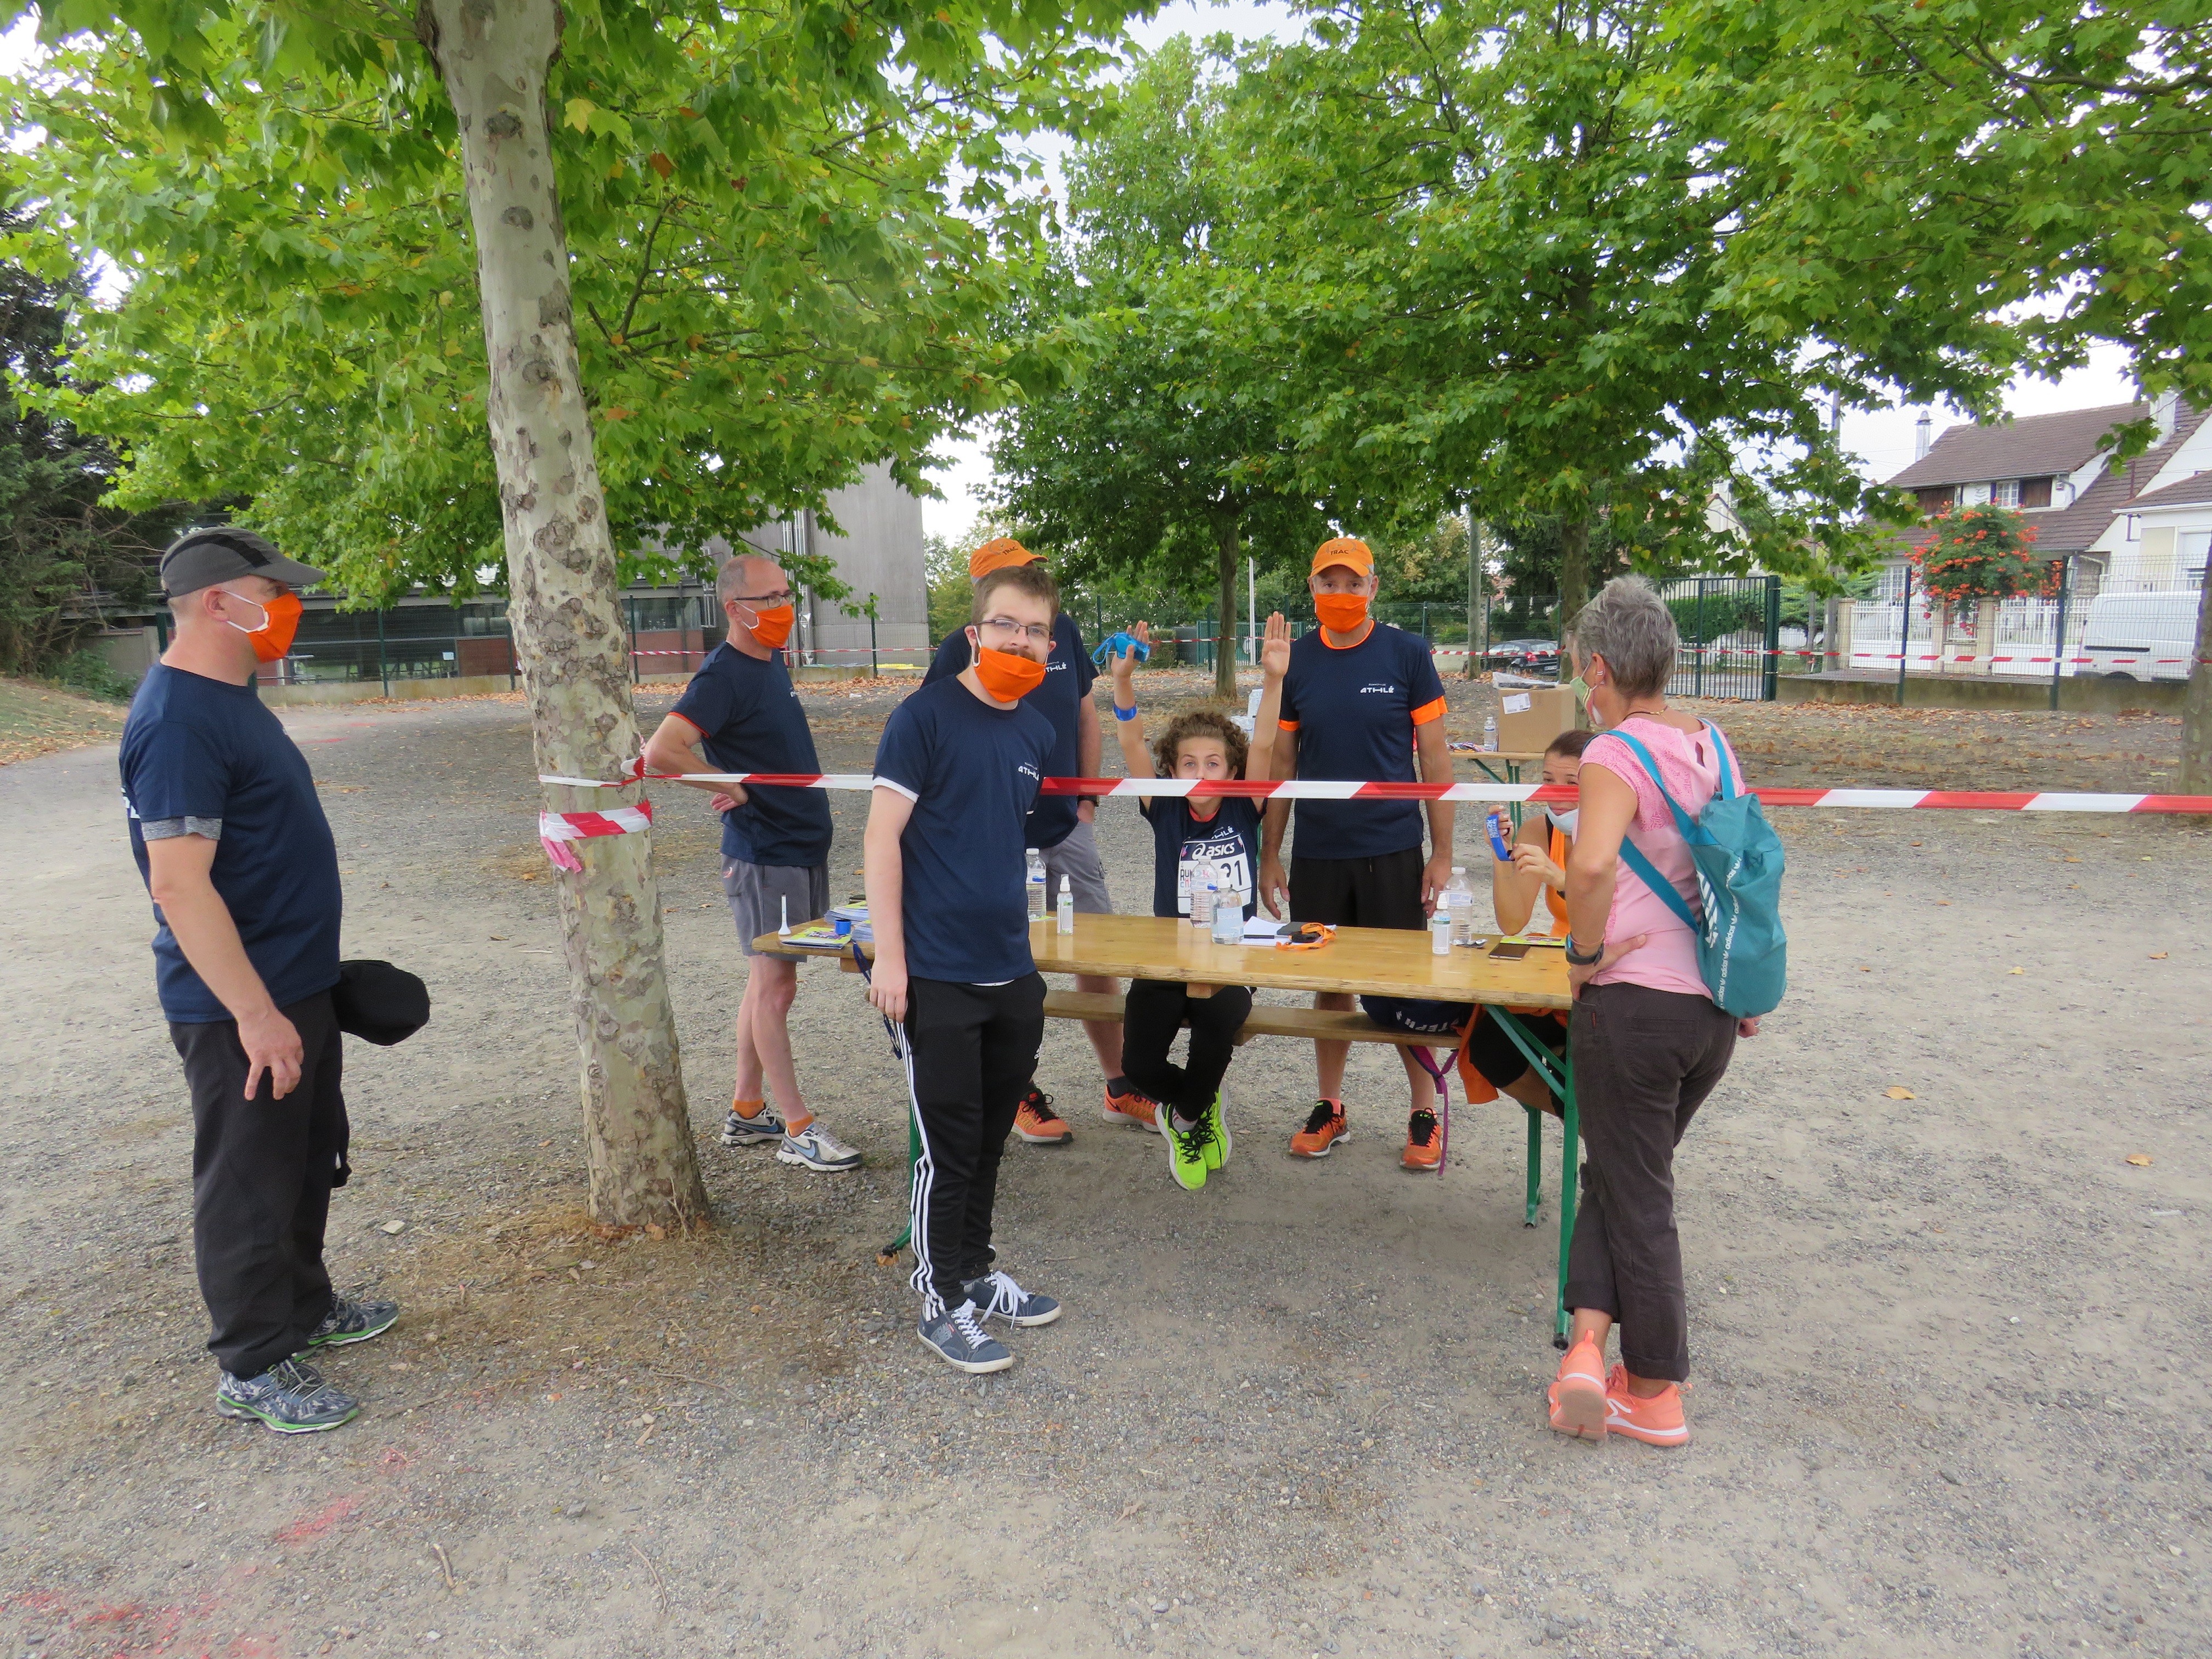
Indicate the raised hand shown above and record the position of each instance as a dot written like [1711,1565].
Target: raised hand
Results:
[1275,648]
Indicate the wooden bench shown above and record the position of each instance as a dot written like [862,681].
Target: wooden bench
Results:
[1344,1025]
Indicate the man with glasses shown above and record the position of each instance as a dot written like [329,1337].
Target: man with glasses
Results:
[742,709]
[244,875]
[1059,827]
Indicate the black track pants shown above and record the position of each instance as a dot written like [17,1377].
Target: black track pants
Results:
[969,1052]
[1154,1011]
[262,1170]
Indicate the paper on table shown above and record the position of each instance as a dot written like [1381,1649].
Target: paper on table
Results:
[1261,928]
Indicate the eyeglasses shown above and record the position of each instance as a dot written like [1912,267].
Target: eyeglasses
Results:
[783,598]
[1037,633]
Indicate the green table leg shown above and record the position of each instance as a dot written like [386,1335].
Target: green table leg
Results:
[1536,1199]
[1512,775]
[889,1253]
[1570,1187]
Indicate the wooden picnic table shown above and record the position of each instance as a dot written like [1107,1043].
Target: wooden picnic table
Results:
[1376,961]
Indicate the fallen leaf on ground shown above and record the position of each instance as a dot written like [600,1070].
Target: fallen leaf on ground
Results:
[2016,970]
[2158,956]
[1897,1093]
[2141,1160]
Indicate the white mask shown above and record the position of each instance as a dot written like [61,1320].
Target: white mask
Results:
[1565,820]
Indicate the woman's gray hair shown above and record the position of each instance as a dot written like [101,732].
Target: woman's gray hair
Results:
[1630,626]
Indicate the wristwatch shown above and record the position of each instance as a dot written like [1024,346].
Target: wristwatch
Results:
[1576,959]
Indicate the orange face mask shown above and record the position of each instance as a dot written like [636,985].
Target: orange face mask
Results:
[1005,676]
[772,626]
[1340,613]
[280,623]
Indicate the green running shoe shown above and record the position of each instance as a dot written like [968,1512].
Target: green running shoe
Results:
[1217,1145]
[1187,1148]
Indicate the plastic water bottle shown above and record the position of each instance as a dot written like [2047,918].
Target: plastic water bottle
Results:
[1228,917]
[1458,899]
[1204,887]
[1036,885]
[1440,932]
[1066,908]
[1490,731]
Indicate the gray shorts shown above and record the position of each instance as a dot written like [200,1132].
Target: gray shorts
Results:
[1077,858]
[757,892]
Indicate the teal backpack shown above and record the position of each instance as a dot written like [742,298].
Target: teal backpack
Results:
[1742,952]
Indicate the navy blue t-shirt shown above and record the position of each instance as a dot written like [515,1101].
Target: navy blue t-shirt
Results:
[1230,837]
[972,772]
[1068,676]
[202,756]
[1354,711]
[753,721]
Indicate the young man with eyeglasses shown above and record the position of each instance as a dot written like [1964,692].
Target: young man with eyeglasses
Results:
[239,860]
[1059,827]
[956,776]
[742,714]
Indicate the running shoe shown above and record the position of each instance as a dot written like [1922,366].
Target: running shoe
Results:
[1217,1149]
[1657,1421]
[815,1148]
[290,1397]
[1035,1122]
[1137,1110]
[1187,1150]
[762,1126]
[958,1338]
[1424,1145]
[1325,1126]
[349,1321]
[1577,1396]
[1000,1297]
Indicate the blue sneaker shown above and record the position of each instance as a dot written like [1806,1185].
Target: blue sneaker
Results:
[290,1397]
[765,1125]
[349,1321]
[997,1295]
[959,1340]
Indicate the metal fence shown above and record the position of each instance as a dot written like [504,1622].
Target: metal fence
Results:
[2144,634]
[1730,630]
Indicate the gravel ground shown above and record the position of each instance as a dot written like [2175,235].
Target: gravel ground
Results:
[1950,1349]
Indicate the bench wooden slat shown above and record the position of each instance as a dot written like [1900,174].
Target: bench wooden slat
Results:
[1343,1026]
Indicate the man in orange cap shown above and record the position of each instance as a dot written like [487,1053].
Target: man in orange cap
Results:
[1362,698]
[1060,829]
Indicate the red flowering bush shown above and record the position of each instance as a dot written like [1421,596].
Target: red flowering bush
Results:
[1983,553]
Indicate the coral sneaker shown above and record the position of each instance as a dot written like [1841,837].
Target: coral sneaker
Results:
[1325,1128]
[1035,1122]
[1139,1111]
[1657,1421]
[1424,1146]
[1579,1403]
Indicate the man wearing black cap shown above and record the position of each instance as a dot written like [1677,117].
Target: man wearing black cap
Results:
[239,860]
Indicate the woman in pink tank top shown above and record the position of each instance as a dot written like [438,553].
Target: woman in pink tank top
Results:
[1648,1043]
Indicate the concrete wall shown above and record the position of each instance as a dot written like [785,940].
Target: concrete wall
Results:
[2088,696]
[880,552]
[129,651]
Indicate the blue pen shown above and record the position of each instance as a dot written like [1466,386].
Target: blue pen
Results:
[1497,840]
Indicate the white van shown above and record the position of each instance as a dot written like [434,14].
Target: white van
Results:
[2140,636]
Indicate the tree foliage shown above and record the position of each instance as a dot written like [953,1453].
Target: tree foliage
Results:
[788,230]
[1944,186]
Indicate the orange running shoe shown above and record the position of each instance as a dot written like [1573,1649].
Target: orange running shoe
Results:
[1325,1128]
[1424,1146]
[1139,1111]
[1657,1421]
[1034,1121]
[1580,1406]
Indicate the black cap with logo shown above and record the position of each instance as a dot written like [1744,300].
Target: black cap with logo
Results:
[202,558]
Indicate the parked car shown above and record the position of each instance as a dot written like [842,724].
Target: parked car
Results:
[1529,656]
[2140,636]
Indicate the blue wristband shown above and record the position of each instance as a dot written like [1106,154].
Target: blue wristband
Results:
[1125,714]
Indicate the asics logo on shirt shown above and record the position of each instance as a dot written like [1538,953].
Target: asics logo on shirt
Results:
[1385,690]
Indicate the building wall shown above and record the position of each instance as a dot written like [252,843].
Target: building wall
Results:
[880,552]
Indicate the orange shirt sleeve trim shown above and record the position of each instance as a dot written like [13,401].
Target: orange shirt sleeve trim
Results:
[1429,711]
[689,721]
[1287,726]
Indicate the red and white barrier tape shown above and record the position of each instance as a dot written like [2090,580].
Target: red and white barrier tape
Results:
[1978,801]
[556,830]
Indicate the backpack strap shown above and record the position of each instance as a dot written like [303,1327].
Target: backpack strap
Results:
[1729,768]
[1649,874]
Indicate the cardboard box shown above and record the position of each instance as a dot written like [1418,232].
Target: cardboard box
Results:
[1529,718]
